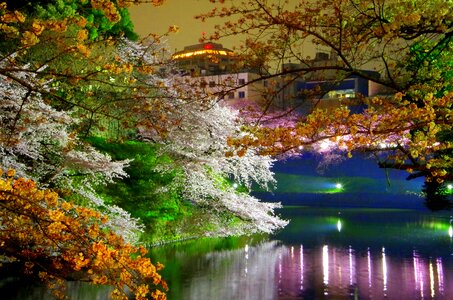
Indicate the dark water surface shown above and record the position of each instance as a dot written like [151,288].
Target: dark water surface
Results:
[359,253]
[371,239]
[324,253]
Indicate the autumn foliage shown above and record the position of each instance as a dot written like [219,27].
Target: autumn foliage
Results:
[408,43]
[69,73]
[56,240]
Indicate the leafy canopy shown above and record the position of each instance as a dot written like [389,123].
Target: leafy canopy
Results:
[409,43]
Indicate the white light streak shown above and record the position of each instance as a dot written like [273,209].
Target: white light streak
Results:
[418,273]
[440,275]
[370,283]
[325,266]
[301,267]
[351,269]
[339,225]
[246,249]
[415,268]
[384,271]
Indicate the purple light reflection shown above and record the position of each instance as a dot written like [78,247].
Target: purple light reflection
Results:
[440,275]
[338,272]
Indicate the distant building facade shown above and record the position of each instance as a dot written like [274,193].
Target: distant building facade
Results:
[205,59]
[214,70]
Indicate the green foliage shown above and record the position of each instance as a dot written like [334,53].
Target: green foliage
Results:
[436,195]
[157,199]
[139,192]
[26,4]
[226,183]
[146,194]
[431,63]
[98,23]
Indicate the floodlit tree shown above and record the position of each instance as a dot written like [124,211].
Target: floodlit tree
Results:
[58,85]
[56,240]
[409,43]
[51,70]
[195,131]
[102,18]
[61,83]
[198,142]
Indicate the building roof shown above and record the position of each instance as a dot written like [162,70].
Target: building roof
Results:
[202,49]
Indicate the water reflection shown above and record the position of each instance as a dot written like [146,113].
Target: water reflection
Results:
[348,275]
[246,273]
[13,288]
[365,254]
[272,270]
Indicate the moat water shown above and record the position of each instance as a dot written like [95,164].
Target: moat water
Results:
[371,239]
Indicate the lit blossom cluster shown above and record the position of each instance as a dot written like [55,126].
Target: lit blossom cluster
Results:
[198,144]
[36,140]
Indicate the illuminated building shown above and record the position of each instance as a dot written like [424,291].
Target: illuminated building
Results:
[214,69]
[205,59]
[233,88]
[322,88]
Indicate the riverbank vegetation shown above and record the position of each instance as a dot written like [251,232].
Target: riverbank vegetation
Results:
[103,153]
[59,240]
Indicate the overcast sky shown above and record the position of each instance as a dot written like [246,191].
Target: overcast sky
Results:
[148,18]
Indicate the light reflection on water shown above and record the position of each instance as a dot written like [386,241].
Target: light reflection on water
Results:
[18,289]
[246,273]
[323,254]
[271,270]
[346,274]
[374,254]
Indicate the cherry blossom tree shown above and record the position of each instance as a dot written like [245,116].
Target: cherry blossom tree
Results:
[409,43]
[198,143]
[41,113]
[79,87]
